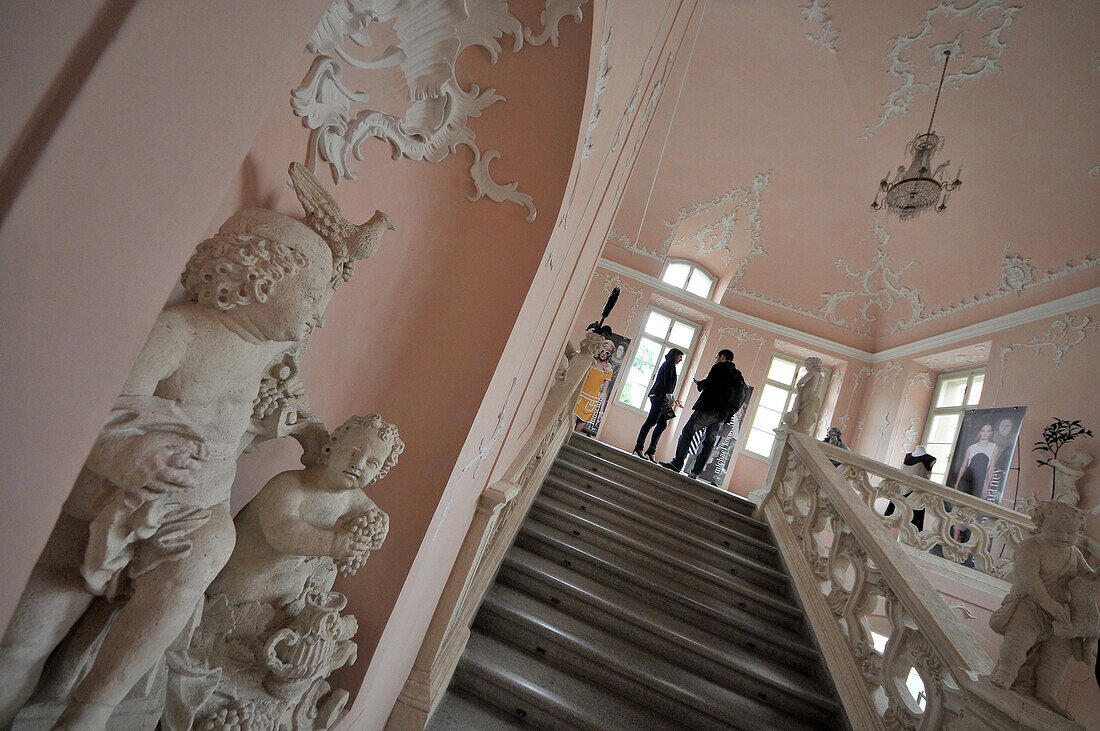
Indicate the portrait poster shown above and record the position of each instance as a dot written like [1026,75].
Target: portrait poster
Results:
[715,470]
[621,348]
[984,450]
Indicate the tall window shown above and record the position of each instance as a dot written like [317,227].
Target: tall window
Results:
[660,332]
[687,276]
[776,395]
[954,393]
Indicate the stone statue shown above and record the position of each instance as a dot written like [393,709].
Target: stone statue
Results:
[150,508]
[1066,475]
[271,629]
[1050,613]
[807,401]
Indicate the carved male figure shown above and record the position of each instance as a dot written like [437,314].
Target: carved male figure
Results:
[147,522]
[312,513]
[303,528]
[807,401]
[1038,607]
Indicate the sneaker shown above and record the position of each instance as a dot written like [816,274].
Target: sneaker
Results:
[671,466]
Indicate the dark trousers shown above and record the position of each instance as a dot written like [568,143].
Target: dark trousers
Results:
[655,421]
[710,421]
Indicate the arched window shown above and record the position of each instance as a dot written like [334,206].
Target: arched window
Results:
[689,276]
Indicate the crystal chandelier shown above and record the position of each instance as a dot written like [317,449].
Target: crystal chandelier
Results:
[918,188]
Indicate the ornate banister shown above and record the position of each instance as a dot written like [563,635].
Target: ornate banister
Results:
[846,563]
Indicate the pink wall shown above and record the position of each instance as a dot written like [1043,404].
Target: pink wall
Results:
[103,223]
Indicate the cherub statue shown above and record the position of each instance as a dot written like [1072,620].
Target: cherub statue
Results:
[150,508]
[807,401]
[275,596]
[1066,474]
[1043,616]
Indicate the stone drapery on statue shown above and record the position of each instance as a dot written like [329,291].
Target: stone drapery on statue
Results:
[272,629]
[1049,616]
[809,392]
[150,507]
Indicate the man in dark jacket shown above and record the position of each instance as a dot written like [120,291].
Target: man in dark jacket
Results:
[723,390]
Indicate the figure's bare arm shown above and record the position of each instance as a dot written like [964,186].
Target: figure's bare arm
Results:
[282,522]
[361,503]
[161,355]
[1028,563]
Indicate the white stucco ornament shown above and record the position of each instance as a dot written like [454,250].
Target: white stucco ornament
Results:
[272,628]
[431,35]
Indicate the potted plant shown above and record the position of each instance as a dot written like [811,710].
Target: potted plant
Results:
[1057,435]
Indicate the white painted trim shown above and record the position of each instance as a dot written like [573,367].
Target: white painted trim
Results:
[718,309]
[1054,308]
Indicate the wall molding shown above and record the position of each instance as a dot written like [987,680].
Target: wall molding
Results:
[432,35]
[1054,308]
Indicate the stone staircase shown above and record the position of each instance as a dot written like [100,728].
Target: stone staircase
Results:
[637,599]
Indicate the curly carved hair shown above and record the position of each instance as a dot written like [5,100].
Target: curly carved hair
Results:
[386,431]
[1050,509]
[236,267]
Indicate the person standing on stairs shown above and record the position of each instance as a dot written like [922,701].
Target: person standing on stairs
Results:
[661,399]
[723,390]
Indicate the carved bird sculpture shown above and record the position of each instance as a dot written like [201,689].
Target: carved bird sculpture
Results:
[348,241]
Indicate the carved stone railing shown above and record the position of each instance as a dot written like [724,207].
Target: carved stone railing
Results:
[946,511]
[500,510]
[848,569]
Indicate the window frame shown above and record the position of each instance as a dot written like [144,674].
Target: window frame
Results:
[636,343]
[758,393]
[941,380]
[692,268]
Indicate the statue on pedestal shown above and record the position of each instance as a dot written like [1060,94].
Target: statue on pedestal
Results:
[807,401]
[1050,614]
[150,508]
[272,629]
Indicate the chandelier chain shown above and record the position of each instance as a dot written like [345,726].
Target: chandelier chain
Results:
[946,58]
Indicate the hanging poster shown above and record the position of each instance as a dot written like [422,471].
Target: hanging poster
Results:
[598,384]
[715,470]
[983,451]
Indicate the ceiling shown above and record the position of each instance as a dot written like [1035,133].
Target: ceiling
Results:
[782,117]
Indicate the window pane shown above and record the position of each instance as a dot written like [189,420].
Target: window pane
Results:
[657,325]
[943,428]
[648,352]
[974,395]
[773,397]
[681,335]
[767,419]
[951,391]
[782,371]
[759,442]
[634,394]
[676,274]
[700,283]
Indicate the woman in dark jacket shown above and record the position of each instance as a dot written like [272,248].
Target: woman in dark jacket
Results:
[659,396]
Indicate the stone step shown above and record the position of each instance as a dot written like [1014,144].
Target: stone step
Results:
[527,688]
[749,668]
[708,594]
[747,578]
[613,506]
[577,647]
[695,498]
[654,472]
[460,711]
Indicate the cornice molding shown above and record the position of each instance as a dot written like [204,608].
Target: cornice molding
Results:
[1054,308]
[718,309]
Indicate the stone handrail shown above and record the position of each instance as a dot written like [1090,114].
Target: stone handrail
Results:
[944,508]
[845,565]
[500,511]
